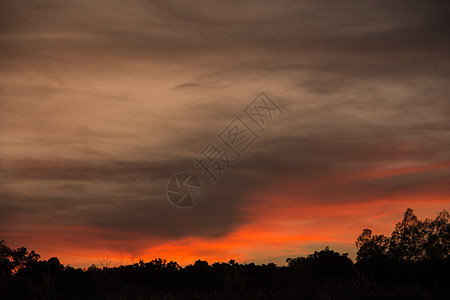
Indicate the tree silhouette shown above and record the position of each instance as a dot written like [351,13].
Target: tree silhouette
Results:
[370,246]
[412,263]
[12,260]
[412,240]
[323,264]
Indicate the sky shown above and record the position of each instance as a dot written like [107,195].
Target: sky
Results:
[102,102]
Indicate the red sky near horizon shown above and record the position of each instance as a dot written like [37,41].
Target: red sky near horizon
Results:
[102,103]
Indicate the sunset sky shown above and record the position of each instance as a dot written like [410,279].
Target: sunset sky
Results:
[102,102]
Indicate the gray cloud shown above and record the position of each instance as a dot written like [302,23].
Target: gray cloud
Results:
[104,102]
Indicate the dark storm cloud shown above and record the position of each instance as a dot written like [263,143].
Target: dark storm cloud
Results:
[363,84]
[132,199]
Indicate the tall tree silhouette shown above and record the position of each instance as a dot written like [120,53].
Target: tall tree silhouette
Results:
[412,240]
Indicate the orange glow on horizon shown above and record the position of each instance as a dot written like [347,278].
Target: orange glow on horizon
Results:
[294,233]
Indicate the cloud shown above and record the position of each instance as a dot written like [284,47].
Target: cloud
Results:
[187,85]
[103,102]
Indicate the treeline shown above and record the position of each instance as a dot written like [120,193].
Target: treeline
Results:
[412,263]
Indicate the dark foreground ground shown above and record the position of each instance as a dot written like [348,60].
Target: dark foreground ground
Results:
[322,275]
